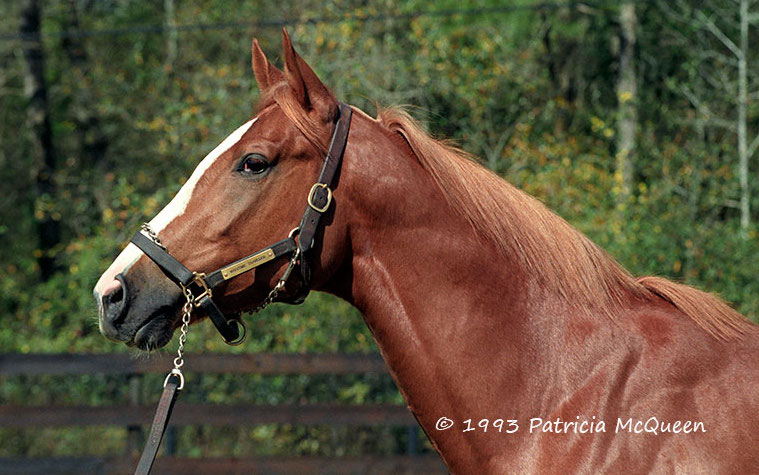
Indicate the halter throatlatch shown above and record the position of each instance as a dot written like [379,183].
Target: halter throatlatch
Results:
[319,199]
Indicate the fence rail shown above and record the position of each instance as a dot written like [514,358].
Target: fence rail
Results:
[135,416]
[255,363]
[207,414]
[427,464]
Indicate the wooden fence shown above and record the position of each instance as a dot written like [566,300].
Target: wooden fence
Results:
[134,416]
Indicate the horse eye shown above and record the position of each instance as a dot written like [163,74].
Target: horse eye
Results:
[253,164]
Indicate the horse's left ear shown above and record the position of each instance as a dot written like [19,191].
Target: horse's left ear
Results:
[312,94]
[266,73]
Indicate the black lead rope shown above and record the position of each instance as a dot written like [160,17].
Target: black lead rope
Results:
[165,405]
[198,287]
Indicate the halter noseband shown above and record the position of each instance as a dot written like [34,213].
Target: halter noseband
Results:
[319,200]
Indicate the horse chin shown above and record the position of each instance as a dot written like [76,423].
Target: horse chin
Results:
[154,334]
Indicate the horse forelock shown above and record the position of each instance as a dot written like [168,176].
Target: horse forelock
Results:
[282,95]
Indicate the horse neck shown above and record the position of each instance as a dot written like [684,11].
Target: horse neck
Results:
[460,326]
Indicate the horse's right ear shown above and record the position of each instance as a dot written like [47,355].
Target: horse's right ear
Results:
[266,73]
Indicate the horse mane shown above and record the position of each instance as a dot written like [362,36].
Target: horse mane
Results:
[569,263]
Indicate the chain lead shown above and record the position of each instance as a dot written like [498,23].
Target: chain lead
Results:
[190,299]
[152,235]
[179,360]
[186,315]
[281,284]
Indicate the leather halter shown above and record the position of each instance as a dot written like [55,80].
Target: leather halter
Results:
[202,285]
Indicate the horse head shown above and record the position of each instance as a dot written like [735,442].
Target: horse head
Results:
[248,192]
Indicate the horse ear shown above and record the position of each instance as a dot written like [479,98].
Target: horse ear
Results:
[312,94]
[266,73]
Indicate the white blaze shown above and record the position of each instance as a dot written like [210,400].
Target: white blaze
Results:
[174,209]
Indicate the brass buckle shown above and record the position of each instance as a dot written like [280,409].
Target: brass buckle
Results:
[200,280]
[311,197]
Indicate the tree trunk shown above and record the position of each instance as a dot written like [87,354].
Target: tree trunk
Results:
[38,121]
[742,102]
[627,99]
[93,142]
[172,35]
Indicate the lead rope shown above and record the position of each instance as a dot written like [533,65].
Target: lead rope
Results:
[174,381]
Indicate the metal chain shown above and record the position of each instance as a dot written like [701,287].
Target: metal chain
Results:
[273,293]
[186,308]
[152,235]
[186,315]
[179,360]
[190,302]
[281,284]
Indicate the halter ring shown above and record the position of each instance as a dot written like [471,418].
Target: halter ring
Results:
[242,332]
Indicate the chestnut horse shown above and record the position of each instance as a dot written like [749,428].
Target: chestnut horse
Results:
[518,344]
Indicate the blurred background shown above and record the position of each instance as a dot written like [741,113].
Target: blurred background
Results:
[636,121]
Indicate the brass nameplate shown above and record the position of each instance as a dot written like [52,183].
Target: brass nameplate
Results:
[247,264]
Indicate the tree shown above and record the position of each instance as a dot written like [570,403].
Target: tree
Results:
[627,98]
[724,67]
[38,120]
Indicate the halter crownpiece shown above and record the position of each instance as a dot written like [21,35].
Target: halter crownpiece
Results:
[319,200]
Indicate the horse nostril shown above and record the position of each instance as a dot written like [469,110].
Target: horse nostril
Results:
[116,295]
[113,300]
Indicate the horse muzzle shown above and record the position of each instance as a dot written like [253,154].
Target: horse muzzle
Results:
[130,311]
[111,308]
